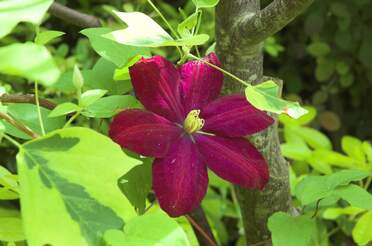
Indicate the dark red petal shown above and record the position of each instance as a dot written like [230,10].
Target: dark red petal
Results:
[156,84]
[144,132]
[234,159]
[200,82]
[234,116]
[180,179]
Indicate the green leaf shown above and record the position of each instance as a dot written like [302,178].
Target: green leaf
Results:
[13,12]
[265,97]
[313,188]
[356,196]
[312,137]
[367,148]
[298,152]
[30,61]
[334,213]
[303,120]
[205,3]
[117,53]
[353,147]
[107,107]
[102,77]
[28,115]
[142,31]
[319,49]
[11,229]
[90,97]
[69,182]
[45,37]
[136,185]
[337,159]
[185,27]
[362,232]
[151,229]
[63,109]
[8,185]
[319,165]
[291,231]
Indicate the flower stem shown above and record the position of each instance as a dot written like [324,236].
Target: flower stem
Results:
[39,109]
[221,70]
[68,123]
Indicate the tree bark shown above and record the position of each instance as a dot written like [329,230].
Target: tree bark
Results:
[241,27]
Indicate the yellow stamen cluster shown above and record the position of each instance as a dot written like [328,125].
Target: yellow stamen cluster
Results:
[192,122]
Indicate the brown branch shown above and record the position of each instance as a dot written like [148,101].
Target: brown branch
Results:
[18,125]
[255,28]
[201,227]
[5,98]
[73,17]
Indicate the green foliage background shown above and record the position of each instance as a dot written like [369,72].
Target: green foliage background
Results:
[324,59]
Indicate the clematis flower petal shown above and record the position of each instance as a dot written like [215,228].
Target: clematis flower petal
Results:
[234,116]
[144,132]
[234,159]
[156,84]
[200,82]
[180,180]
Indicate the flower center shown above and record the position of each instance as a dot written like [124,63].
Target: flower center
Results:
[192,122]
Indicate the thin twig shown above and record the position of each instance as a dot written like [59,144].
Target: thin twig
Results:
[18,125]
[73,17]
[5,98]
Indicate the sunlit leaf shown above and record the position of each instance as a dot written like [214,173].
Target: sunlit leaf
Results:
[334,213]
[119,54]
[353,147]
[14,11]
[154,228]
[355,195]
[291,231]
[45,37]
[63,109]
[362,232]
[136,185]
[11,229]
[265,97]
[313,188]
[30,61]
[68,179]
[142,31]
[90,97]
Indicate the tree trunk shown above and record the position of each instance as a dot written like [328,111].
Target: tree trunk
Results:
[242,55]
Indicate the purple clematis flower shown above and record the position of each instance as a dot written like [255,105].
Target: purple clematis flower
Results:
[187,128]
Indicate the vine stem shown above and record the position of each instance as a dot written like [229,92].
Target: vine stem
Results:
[39,109]
[202,232]
[220,69]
